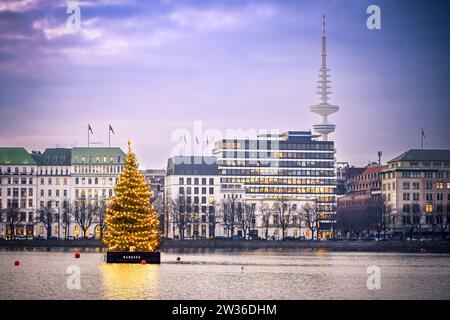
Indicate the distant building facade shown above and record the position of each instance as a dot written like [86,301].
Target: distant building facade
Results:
[57,178]
[416,190]
[155,178]
[191,194]
[293,167]
[18,174]
[368,182]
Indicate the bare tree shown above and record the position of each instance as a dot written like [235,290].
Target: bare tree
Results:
[412,222]
[245,217]
[283,208]
[386,217]
[46,216]
[100,217]
[177,209]
[443,222]
[266,214]
[213,217]
[310,216]
[84,216]
[232,208]
[66,218]
[11,217]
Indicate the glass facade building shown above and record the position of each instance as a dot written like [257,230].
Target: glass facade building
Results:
[294,165]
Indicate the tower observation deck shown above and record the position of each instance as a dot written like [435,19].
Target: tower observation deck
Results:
[324,109]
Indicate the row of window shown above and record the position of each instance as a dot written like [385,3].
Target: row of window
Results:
[428,196]
[98,169]
[196,190]
[269,162]
[274,180]
[58,181]
[196,181]
[428,208]
[14,203]
[14,192]
[93,193]
[278,172]
[58,171]
[25,170]
[273,144]
[97,159]
[95,181]
[417,174]
[275,155]
[57,193]
[16,181]
[303,190]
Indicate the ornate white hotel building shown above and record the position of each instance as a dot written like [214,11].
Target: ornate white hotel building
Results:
[56,177]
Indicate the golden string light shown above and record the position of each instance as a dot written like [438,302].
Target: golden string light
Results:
[131,220]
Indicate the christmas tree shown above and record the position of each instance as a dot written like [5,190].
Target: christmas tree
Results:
[131,222]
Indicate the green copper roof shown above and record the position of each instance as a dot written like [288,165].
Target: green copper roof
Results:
[54,157]
[15,156]
[97,156]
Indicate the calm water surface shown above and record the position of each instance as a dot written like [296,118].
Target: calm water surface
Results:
[216,274]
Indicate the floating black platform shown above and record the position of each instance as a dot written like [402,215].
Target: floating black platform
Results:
[133,257]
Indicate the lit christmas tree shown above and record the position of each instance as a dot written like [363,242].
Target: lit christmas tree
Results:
[131,222]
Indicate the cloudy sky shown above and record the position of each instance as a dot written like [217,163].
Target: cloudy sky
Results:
[151,68]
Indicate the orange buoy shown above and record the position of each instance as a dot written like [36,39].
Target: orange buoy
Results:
[143,262]
[178,259]
[77,255]
[17,262]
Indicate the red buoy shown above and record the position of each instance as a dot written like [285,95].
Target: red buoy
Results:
[77,255]
[143,262]
[17,262]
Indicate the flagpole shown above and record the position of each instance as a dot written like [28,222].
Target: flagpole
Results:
[421,137]
[88,136]
[109,136]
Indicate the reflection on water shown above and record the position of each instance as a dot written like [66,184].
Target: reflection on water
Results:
[227,274]
[130,281]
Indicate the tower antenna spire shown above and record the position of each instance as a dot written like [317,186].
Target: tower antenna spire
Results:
[324,109]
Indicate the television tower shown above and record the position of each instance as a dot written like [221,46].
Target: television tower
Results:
[324,109]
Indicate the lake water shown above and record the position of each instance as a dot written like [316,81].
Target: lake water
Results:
[259,274]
